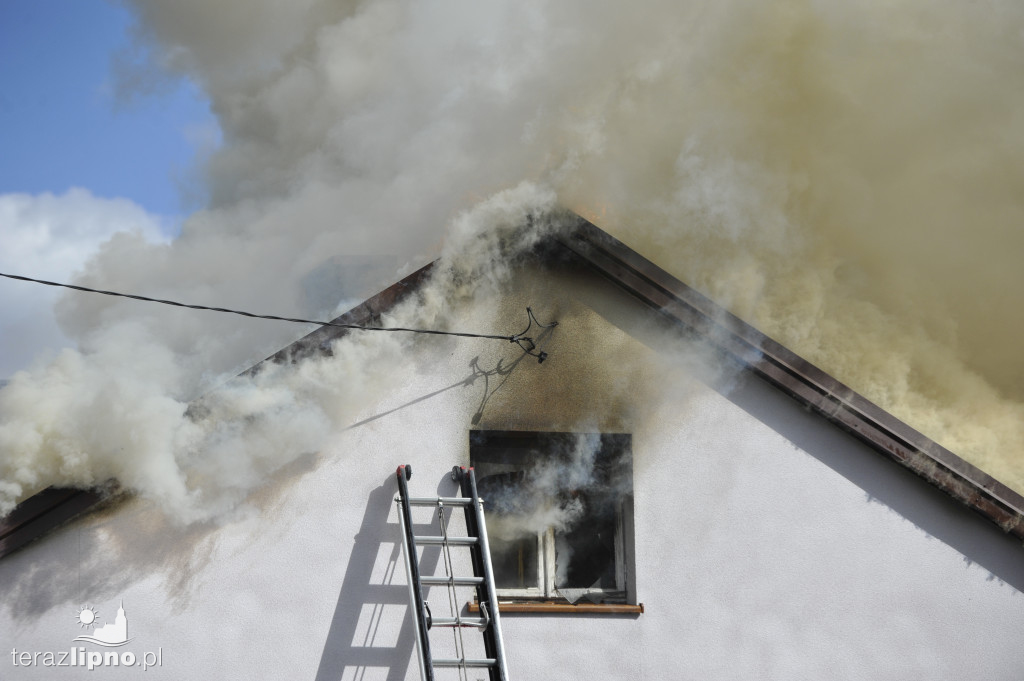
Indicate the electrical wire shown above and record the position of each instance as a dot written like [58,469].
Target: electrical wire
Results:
[520,339]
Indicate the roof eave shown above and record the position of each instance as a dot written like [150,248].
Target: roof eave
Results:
[798,378]
[682,305]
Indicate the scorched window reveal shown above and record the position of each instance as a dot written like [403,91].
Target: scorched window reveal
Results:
[559,510]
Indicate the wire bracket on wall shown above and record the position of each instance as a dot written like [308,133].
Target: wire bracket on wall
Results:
[526,343]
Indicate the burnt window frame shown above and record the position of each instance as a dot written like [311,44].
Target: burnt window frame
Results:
[514,446]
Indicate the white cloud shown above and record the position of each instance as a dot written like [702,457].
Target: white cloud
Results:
[50,236]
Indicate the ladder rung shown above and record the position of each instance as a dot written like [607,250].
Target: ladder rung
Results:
[447,501]
[457,662]
[462,622]
[452,541]
[454,581]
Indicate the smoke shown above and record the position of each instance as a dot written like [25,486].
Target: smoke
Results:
[50,236]
[125,406]
[570,488]
[537,494]
[844,175]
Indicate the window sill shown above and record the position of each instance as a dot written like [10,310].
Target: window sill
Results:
[550,607]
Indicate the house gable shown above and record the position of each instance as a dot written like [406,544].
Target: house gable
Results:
[768,542]
[585,247]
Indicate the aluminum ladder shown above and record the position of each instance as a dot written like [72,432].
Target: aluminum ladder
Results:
[482,578]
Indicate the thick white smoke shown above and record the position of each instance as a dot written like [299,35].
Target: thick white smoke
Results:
[48,236]
[842,174]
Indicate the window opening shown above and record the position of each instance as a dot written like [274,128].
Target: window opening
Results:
[559,513]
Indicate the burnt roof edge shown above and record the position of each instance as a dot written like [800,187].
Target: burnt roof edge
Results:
[46,511]
[53,507]
[798,378]
[367,313]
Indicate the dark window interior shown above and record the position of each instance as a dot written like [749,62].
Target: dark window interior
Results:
[554,504]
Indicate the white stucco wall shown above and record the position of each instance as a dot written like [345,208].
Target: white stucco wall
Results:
[768,544]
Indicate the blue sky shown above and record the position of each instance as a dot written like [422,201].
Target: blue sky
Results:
[78,162]
[62,125]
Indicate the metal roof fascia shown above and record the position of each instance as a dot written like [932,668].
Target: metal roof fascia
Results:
[798,378]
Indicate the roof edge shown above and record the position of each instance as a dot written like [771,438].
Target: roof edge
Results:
[798,378]
[53,507]
[682,305]
[367,313]
[45,511]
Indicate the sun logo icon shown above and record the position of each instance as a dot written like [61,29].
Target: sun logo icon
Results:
[87,616]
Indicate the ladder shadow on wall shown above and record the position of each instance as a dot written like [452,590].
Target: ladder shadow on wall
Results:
[371,635]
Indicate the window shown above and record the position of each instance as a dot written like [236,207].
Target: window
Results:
[559,514]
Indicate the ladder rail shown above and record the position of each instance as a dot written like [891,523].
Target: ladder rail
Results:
[494,644]
[412,573]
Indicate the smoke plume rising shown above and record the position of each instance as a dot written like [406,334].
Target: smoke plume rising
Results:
[844,175]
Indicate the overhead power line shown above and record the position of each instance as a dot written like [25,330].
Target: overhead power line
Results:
[523,341]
